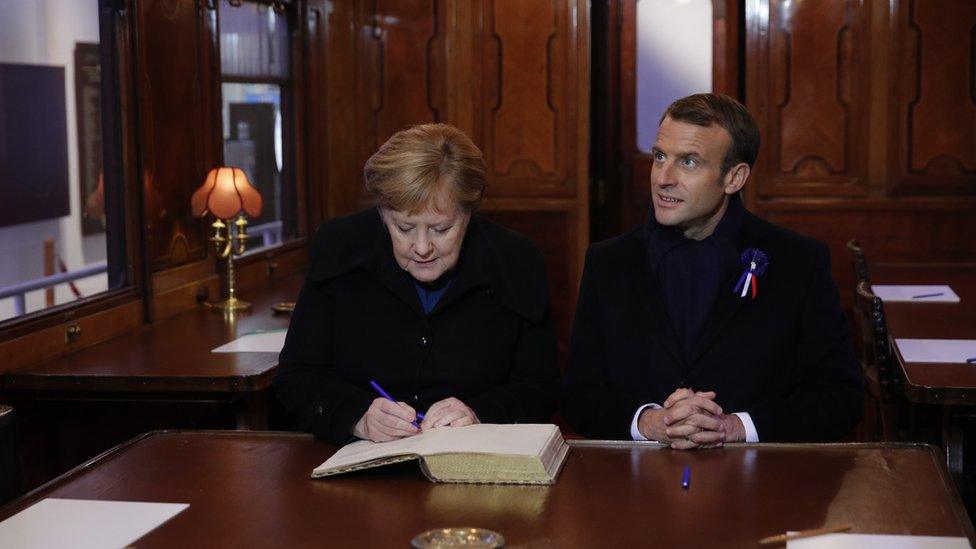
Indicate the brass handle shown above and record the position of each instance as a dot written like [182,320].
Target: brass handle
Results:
[71,333]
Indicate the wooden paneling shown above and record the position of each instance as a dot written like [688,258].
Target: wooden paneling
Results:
[179,122]
[404,42]
[934,79]
[883,145]
[50,342]
[551,226]
[528,105]
[890,232]
[377,67]
[334,93]
[725,47]
[811,99]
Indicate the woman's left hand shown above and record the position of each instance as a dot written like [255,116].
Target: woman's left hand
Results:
[449,412]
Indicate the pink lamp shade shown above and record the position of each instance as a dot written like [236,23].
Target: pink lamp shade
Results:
[225,193]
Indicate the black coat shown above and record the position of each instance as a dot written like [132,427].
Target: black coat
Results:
[785,358]
[488,342]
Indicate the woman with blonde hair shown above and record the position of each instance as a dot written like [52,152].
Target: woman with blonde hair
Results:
[446,311]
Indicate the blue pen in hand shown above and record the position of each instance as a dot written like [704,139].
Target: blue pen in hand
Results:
[384,394]
[686,477]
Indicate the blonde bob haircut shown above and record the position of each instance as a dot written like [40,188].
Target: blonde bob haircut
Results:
[412,169]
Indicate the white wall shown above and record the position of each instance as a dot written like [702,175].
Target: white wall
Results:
[44,32]
[674,58]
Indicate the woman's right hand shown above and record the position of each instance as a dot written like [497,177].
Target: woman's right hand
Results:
[386,420]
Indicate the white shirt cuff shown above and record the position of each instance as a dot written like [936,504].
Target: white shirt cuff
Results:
[751,434]
[635,433]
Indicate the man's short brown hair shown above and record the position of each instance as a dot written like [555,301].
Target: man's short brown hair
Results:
[706,109]
[410,170]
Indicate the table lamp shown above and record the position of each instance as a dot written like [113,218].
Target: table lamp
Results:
[228,195]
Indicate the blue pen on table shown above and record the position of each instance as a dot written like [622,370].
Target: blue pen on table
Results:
[686,477]
[937,294]
[384,394]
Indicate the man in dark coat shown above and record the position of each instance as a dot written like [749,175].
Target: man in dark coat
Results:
[707,324]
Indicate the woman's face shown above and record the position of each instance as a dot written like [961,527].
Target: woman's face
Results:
[427,244]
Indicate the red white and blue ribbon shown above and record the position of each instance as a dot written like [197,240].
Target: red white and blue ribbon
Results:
[754,265]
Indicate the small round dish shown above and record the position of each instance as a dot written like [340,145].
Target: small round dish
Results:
[283,308]
[458,537]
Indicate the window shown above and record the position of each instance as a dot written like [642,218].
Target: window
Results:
[674,58]
[62,231]
[257,110]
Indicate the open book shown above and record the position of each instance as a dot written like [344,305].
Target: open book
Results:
[481,453]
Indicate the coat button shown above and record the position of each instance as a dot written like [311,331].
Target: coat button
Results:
[423,341]
[415,398]
[490,292]
[319,410]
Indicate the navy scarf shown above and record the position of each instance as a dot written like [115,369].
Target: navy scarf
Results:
[690,272]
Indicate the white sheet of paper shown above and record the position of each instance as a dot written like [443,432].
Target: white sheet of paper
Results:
[84,523]
[871,541]
[893,293]
[937,350]
[261,342]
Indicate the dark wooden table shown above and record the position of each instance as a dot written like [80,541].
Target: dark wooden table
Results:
[930,382]
[951,386]
[248,489]
[172,361]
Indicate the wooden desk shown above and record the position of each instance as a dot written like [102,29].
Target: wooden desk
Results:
[253,489]
[171,360]
[925,382]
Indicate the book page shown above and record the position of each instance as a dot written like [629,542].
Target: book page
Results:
[83,524]
[487,438]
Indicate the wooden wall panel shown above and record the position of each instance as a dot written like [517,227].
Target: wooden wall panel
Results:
[811,103]
[404,46]
[934,142]
[907,191]
[892,233]
[530,98]
[377,67]
[551,227]
[335,98]
[179,123]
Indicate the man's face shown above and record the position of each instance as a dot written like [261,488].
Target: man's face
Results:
[688,189]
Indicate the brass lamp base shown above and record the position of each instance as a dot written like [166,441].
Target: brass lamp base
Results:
[232,304]
[226,251]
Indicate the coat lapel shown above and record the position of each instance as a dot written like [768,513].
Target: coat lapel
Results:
[650,302]
[728,303]
[472,269]
[389,274]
